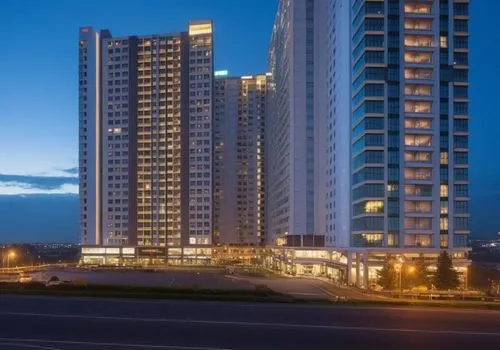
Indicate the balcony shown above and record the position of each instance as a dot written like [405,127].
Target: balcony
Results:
[418,8]
[418,174]
[417,57]
[418,140]
[418,107]
[417,90]
[418,124]
[419,41]
[418,73]
[418,24]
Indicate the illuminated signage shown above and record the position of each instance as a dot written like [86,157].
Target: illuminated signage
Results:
[221,73]
[93,250]
[126,250]
[196,29]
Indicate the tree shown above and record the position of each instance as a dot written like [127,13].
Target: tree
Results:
[388,276]
[421,272]
[446,276]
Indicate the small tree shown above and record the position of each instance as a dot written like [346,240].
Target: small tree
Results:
[421,272]
[446,277]
[388,276]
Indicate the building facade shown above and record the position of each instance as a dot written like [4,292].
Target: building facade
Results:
[146,138]
[239,123]
[409,122]
[296,146]
[394,172]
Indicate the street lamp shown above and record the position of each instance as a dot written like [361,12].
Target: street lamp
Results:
[466,277]
[399,268]
[10,255]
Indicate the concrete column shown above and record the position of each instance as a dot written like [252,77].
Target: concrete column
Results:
[349,268]
[358,284]
[365,270]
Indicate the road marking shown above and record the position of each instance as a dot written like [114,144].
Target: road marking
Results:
[312,294]
[254,324]
[70,342]
[20,345]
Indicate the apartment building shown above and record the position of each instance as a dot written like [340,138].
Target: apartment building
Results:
[395,127]
[146,138]
[295,129]
[239,122]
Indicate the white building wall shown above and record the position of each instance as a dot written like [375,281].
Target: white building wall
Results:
[115,145]
[89,136]
[338,223]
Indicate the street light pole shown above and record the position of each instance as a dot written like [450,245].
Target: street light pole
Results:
[466,278]
[400,276]
[9,255]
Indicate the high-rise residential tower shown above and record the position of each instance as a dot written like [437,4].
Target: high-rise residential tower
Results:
[146,138]
[369,115]
[296,134]
[239,121]
[408,120]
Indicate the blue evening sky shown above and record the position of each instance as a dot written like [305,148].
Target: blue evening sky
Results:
[39,95]
[38,62]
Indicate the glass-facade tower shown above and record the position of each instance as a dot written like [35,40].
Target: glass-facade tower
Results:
[409,158]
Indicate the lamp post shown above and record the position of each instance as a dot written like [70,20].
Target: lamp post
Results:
[466,277]
[399,268]
[10,255]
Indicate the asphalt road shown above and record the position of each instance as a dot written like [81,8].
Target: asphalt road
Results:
[309,288]
[86,323]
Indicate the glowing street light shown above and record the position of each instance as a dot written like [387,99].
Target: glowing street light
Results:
[466,277]
[399,267]
[10,255]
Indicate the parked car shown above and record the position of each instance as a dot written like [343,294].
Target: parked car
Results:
[24,278]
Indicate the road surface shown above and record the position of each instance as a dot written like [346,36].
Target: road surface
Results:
[85,323]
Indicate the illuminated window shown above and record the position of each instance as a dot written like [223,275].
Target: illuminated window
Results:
[392,188]
[417,123]
[418,190]
[443,190]
[443,41]
[374,207]
[418,207]
[418,140]
[418,24]
[418,106]
[418,57]
[421,8]
[444,157]
[443,241]
[418,223]
[444,207]
[418,90]
[418,40]
[417,173]
[422,157]
[443,223]
[418,73]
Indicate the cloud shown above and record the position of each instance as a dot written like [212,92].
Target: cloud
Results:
[29,184]
[72,171]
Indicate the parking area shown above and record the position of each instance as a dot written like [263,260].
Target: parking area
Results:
[206,278]
[188,278]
